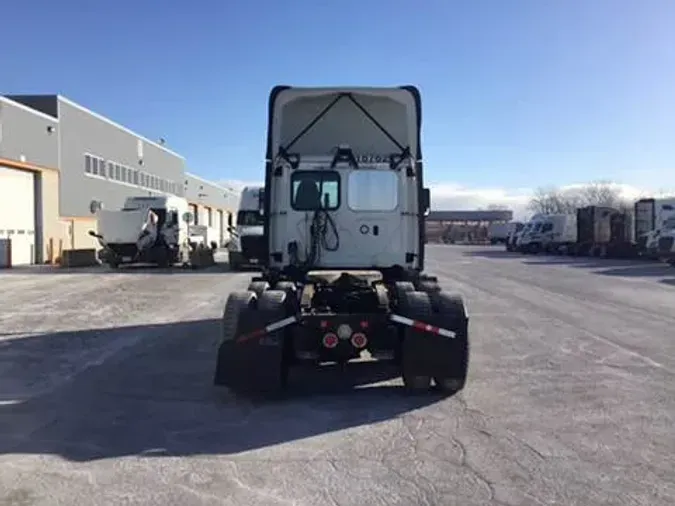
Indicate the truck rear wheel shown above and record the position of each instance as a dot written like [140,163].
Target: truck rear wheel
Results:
[416,306]
[237,304]
[251,362]
[452,316]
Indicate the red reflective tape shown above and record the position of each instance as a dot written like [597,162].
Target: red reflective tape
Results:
[426,327]
[252,335]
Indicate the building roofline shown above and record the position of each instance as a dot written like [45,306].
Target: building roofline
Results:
[211,183]
[26,108]
[100,117]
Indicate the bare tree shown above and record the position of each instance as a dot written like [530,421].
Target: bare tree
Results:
[600,193]
[552,200]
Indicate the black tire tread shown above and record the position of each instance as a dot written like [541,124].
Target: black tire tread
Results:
[417,306]
[259,287]
[272,301]
[236,302]
[454,317]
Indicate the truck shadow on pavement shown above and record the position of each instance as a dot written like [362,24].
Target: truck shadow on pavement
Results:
[155,397]
[605,266]
[105,270]
[610,267]
[494,252]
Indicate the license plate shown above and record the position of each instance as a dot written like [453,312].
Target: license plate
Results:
[126,259]
[254,260]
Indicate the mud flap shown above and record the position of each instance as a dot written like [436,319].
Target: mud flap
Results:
[253,365]
[428,353]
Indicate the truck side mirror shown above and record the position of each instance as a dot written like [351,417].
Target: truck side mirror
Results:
[426,201]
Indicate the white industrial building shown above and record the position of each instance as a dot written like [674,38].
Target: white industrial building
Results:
[57,156]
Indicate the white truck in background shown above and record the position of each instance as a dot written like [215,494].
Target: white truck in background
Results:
[514,229]
[666,243]
[247,245]
[558,233]
[498,233]
[652,219]
[529,233]
[146,230]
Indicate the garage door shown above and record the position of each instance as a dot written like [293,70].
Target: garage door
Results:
[17,213]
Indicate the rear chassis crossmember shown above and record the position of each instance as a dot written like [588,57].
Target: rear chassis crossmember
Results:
[394,318]
[257,358]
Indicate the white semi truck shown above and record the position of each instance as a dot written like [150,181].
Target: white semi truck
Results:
[247,244]
[652,219]
[146,230]
[343,249]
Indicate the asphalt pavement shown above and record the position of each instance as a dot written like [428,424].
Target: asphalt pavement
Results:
[106,395]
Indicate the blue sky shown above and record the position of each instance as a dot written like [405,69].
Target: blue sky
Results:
[516,94]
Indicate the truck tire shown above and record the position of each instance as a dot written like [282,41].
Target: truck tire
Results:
[285,286]
[272,307]
[291,290]
[237,304]
[416,306]
[428,286]
[273,301]
[401,288]
[453,316]
[163,258]
[258,287]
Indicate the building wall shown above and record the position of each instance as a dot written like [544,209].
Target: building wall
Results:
[78,156]
[26,144]
[212,204]
[27,135]
[100,160]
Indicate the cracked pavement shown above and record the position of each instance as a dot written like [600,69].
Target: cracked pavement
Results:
[106,396]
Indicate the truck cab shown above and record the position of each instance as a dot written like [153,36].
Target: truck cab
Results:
[529,233]
[146,230]
[558,232]
[513,232]
[651,219]
[247,246]
[346,193]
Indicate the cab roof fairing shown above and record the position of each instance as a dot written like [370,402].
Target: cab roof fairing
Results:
[406,97]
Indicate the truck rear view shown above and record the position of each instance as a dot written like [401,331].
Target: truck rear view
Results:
[344,214]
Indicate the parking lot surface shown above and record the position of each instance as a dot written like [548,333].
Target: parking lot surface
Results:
[106,396]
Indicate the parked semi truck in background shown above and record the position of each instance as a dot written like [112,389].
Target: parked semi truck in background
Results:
[514,229]
[652,218]
[498,233]
[647,230]
[246,247]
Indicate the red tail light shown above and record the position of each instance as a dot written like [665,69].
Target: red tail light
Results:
[359,340]
[330,340]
